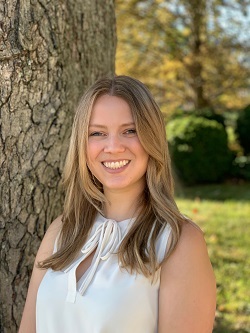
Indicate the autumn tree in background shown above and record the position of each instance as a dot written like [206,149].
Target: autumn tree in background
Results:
[50,52]
[192,54]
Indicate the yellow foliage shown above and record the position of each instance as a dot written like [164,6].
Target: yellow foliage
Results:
[160,49]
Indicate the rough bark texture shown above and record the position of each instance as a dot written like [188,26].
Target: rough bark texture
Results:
[50,51]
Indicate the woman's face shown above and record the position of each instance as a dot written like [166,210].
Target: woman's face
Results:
[115,155]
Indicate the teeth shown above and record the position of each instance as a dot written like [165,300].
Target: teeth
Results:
[115,165]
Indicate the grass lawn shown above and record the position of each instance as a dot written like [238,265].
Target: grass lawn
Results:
[223,213]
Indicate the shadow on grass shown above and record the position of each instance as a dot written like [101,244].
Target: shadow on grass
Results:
[217,192]
[222,326]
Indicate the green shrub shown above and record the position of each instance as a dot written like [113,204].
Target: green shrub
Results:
[208,113]
[241,168]
[243,129]
[198,149]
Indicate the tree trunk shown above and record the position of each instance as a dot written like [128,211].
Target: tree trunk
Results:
[197,12]
[50,51]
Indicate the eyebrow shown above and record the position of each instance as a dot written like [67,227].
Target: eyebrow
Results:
[103,126]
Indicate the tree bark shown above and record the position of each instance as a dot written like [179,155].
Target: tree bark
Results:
[197,12]
[50,51]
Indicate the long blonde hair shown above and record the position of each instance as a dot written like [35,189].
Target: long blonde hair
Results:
[84,193]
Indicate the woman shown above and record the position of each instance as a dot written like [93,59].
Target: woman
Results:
[121,258]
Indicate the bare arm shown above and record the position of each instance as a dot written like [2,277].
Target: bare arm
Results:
[28,322]
[187,297]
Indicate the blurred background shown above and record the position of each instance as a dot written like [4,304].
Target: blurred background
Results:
[194,56]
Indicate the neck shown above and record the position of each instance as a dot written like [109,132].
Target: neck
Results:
[122,205]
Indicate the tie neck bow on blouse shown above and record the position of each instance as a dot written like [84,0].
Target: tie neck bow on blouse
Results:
[106,239]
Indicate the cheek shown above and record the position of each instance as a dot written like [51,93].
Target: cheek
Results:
[142,152]
[139,147]
[93,150]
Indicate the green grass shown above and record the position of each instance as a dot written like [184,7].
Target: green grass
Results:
[223,213]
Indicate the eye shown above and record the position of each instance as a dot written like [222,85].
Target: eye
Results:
[96,134]
[131,131]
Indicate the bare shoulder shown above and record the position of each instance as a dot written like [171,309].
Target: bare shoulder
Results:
[191,239]
[188,289]
[47,244]
[28,322]
[190,250]
[55,226]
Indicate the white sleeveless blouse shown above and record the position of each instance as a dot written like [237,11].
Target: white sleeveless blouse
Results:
[107,299]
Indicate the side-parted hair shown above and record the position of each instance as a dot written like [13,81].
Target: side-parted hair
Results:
[84,195]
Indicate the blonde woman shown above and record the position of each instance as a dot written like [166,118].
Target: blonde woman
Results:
[121,258]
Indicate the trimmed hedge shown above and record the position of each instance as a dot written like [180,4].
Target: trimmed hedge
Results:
[243,129]
[241,168]
[198,149]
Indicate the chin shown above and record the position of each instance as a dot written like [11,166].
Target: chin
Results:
[115,187]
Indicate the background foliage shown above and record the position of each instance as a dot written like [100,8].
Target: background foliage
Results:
[199,149]
[190,53]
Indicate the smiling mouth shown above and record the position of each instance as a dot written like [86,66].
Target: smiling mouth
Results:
[115,165]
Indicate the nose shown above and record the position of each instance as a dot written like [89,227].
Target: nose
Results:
[114,144]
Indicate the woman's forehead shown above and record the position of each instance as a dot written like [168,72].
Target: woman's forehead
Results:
[111,108]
